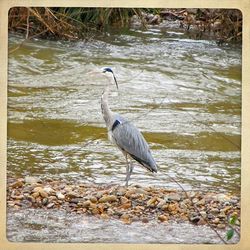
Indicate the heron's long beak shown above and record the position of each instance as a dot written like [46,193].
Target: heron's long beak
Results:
[115,81]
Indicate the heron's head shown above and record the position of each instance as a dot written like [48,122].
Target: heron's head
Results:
[110,71]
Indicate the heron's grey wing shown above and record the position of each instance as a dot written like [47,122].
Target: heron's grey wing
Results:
[129,139]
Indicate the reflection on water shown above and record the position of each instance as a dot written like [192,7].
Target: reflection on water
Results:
[55,125]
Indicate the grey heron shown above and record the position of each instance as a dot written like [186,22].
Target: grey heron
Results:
[124,134]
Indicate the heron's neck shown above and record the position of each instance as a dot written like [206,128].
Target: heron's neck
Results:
[106,112]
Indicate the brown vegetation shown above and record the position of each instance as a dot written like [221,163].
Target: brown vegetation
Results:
[82,23]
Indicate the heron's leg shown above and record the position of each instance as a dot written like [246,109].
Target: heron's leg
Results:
[127,167]
[129,173]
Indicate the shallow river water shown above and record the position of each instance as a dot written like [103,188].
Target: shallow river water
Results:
[183,94]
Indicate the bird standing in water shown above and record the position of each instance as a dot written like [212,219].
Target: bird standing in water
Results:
[124,134]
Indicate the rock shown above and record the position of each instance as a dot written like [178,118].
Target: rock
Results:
[195,200]
[194,219]
[31,198]
[32,180]
[108,198]
[161,203]
[121,191]
[72,194]
[50,205]
[76,200]
[123,200]
[95,211]
[201,222]
[99,194]
[203,214]
[140,191]
[45,201]
[201,202]
[17,184]
[124,216]
[48,190]
[35,195]
[221,226]
[192,194]
[222,215]
[226,209]
[60,196]
[85,204]
[125,205]
[214,211]
[37,189]
[165,207]
[210,216]
[162,218]
[151,201]
[93,199]
[145,220]
[127,221]
[104,216]
[173,207]
[43,194]
[221,197]
[216,221]
[172,197]
[130,192]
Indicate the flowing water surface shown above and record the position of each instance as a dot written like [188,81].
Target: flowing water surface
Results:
[183,94]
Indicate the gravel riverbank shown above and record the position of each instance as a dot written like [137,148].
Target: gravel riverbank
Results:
[131,204]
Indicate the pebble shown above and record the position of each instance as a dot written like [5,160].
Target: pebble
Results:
[216,221]
[145,220]
[104,216]
[48,190]
[108,198]
[93,199]
[195,219]
[60,196]
[162,218]
[50,205]
[172,197]
[124,200]
[214,211]
[72,194]
[221,226]
[17,184]
[45,201]
[161,203]
[85,204]
[221,197]
[43,194]
[151,202]
[31,180]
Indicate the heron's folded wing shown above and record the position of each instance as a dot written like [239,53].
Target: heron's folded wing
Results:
[130,140]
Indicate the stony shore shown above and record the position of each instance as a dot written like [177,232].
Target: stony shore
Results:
[134,203]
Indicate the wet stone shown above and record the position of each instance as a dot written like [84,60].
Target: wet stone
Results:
[108,198]
[221,226]
[31,180]
[162,218]
[50,205]
[60,196]
[17,184]
[93,199]
[172,197]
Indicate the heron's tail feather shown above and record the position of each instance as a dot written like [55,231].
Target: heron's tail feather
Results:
[151,167]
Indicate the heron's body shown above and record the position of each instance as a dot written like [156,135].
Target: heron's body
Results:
[127,138]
